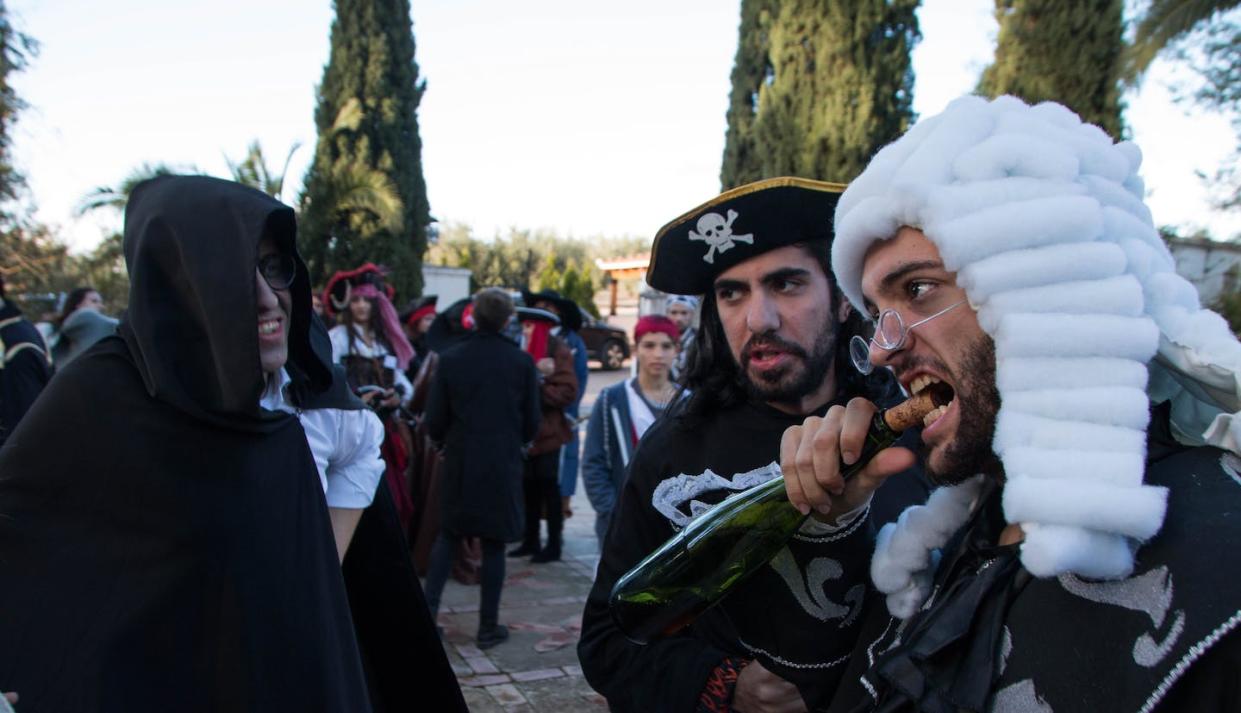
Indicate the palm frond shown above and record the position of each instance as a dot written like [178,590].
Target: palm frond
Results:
[115,197]
[359,188]
[1164,22]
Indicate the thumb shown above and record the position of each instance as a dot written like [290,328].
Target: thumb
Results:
[886,463]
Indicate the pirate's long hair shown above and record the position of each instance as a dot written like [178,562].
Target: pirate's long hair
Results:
[713,377]
[373,325]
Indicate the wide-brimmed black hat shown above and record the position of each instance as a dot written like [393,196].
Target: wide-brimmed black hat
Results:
[690,251]
[570,313]
[531,314]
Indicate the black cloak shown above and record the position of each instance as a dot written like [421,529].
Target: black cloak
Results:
[164,542]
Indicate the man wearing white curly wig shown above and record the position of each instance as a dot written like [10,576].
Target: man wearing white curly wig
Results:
[1088,454]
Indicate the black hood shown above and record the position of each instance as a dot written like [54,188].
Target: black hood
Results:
[191,246]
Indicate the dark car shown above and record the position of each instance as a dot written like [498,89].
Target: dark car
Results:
[608,344]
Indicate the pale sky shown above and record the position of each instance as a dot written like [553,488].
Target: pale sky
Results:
[586,118]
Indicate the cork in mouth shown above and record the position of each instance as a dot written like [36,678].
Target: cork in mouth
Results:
[939,392]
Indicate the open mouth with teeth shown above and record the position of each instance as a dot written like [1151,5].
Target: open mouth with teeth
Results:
[941,394]
[270,326]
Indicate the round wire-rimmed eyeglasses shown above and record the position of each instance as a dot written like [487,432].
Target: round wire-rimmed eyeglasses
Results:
[278,269]
[890,335]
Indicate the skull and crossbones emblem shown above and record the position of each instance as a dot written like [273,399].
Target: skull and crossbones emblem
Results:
[717,232]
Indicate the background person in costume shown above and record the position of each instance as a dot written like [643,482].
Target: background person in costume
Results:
[80,298]
[416,320]
[771,349]
[173,551]
[622,414]
[449,328]
[682,310]
[484,409]
[25,367]
[570,325]
[372,347]
[557,391]
[1007,259]
[81,324]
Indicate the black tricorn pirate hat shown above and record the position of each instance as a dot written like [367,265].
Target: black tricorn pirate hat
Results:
[690,251]
[570,313]
[418,307]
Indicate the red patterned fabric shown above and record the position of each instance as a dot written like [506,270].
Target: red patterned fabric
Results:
[395,453]
[717,695]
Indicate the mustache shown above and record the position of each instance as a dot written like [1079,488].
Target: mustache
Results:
[770,341]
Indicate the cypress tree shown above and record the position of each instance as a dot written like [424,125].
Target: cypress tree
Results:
[16,50]
[365,198]
[1067,52]
[817,87]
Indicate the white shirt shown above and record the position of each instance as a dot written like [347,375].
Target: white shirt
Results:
[375,350]
[344,443]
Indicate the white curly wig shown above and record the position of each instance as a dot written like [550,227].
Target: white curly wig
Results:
[1042,218]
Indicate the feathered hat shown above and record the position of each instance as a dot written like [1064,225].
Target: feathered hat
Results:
[1042,218]
[340,287]
[368,281]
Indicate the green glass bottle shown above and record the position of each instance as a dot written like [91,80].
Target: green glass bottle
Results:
[695,569]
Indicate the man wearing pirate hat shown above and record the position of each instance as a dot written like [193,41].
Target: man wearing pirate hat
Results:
[769,352]
[570,325]
[541,339]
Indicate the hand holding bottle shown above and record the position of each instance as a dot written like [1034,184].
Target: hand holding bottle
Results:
[811,455]
[722,547]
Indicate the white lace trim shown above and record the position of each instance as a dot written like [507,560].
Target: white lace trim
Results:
[671,494]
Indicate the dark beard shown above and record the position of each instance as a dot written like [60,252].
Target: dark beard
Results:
[787,384]
[978,401]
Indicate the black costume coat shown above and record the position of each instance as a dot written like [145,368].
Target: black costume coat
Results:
[24,367]
[164,542]
[799,617]
[484,408]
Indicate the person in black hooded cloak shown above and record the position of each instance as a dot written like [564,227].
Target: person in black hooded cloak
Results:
[199,573]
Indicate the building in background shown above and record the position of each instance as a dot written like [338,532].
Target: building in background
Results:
[1213,266]
[449,283]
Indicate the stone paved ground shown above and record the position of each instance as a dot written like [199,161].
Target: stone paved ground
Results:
[537,668]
